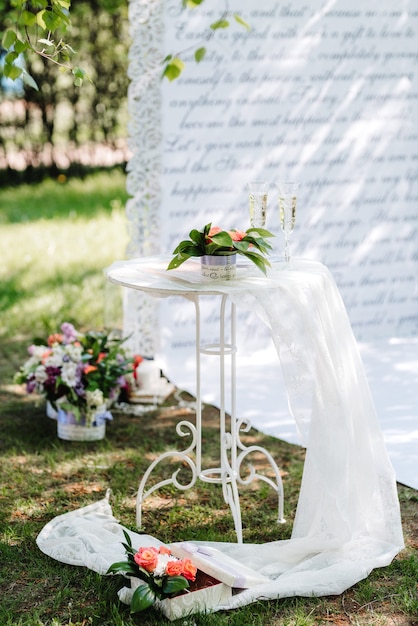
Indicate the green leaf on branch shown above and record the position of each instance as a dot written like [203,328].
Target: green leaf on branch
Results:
[242,22]
[28,80]
[20,46]
[10,57]
[40,19]
[192,4]
[79,76]
[9,38]
[12,71]
[173,69]
[27,18]
[65,4]
[51,20]
[219,24]
[199,54]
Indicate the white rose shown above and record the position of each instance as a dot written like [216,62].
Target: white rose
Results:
[40,374]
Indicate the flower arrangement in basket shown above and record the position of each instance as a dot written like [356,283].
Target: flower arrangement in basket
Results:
[77,372]
[213,241]
[161,574]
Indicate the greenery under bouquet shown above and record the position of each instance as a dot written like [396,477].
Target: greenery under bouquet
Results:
[77,372]
[162,575]
[213,241]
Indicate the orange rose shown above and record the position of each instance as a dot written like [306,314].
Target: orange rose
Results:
[147,558]
[89,368]
[164,550]
[102,355]
[55,338]
[189,570]
[174,568]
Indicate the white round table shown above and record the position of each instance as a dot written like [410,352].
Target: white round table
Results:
[150,275]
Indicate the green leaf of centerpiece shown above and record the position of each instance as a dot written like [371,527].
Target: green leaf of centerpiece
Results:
[174,584]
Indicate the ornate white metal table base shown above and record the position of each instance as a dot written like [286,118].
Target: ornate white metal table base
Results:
[233,452]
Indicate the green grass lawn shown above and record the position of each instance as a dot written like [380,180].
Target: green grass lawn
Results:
[56,238]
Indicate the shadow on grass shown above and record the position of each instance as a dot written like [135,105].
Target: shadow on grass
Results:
[12,293]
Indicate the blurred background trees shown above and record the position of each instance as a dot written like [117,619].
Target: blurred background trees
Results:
[62,126]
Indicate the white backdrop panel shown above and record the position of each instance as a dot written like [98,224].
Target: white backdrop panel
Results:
[324,92]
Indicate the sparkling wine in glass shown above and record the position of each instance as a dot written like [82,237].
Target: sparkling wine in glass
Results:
[258,203]
[287,211]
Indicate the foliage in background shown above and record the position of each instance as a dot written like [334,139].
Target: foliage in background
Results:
[61,123]
[38,27]
[64,122]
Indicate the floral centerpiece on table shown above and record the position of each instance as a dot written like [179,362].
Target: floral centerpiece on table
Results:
[77,372]
[162,575]
[213,241]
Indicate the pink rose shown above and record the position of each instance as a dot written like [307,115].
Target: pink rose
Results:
[147,558]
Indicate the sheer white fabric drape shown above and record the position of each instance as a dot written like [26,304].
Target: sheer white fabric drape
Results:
[347,520]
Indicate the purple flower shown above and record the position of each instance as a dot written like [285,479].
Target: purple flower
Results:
[79,389]
[31,386]
[69,332]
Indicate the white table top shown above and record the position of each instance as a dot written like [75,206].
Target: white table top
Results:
[150,274]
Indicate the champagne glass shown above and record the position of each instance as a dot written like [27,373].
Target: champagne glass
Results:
[287,209]
[258,203]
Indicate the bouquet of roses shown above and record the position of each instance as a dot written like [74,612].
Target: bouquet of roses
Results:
[163,575]
[77,372]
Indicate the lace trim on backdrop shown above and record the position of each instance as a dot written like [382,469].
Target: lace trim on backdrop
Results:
[144,168]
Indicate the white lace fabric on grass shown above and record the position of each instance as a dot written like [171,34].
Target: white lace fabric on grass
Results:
[348,520]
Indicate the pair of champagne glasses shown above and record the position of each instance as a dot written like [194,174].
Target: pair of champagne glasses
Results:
[287,208]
